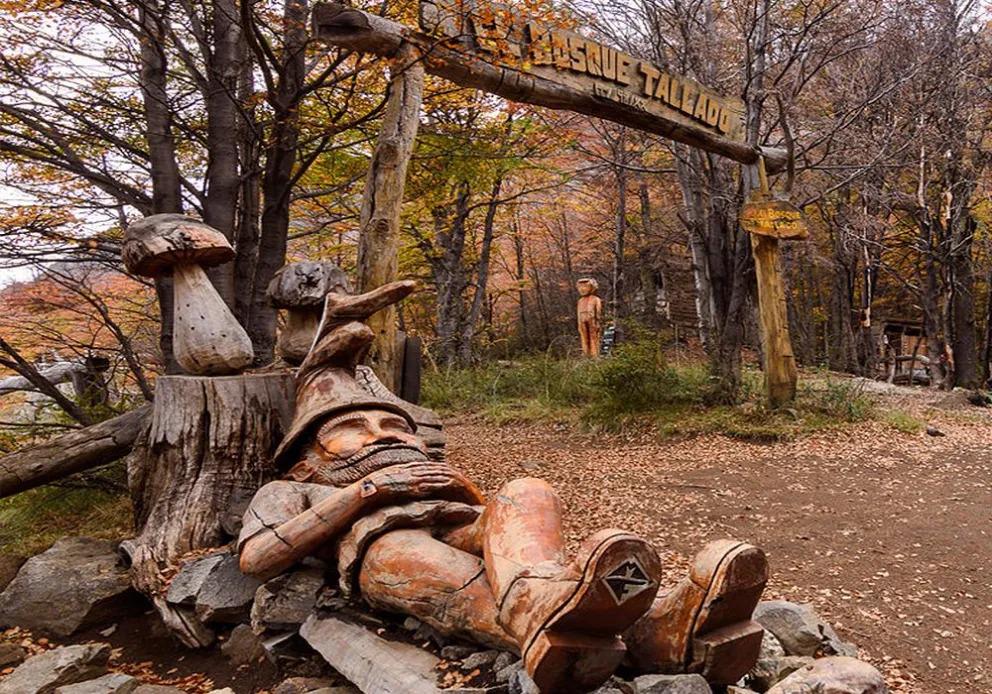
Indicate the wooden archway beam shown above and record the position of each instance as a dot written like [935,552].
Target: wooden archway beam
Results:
[353,29]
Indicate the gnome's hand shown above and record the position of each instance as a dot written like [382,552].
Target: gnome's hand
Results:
[422,480]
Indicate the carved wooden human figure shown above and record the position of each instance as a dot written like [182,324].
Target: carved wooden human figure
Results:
[416,536]
[590,313]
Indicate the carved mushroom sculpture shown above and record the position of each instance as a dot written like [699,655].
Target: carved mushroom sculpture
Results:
[300,288]
[207,338]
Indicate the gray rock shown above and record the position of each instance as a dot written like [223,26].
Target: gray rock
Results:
[45,672]
[11,654]
[111,683]
[479,660]
[504,659]
[226,594]
[521,683]
[455,652]
[672,684]
[78,582]
[836,675]
[156,689]
[507,674]
[765,670]
[774,670]
[10,564]
[187,583]
[286,601]
[302,685]
[243,646]
[340,690]
[800,630]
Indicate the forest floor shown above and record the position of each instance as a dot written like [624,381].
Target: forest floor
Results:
[885,532]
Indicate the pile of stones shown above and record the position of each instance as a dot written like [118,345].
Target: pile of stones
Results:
[286,622]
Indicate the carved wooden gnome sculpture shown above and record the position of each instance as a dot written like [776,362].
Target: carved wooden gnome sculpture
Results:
[417,537]
[590,310]
[207,338]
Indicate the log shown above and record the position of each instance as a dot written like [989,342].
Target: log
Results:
[353,29]
[208,448]
[70,453]
[55,374]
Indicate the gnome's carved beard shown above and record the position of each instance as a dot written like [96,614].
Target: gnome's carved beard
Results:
[338,473]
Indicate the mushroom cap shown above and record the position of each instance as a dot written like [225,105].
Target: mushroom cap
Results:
[153,245]
[305,284]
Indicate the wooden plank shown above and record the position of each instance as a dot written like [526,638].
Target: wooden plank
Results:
[371,663]
[525,65]
[779,362]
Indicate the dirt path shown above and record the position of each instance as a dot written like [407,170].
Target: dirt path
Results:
[887,534]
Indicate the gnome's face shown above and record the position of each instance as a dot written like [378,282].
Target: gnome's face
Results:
[349,446]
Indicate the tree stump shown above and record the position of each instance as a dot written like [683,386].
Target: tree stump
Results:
[207,449]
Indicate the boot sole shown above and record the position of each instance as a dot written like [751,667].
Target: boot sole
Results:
[577,648]
[725,640]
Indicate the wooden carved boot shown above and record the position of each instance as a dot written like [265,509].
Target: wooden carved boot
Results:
[566,617]
[704,623]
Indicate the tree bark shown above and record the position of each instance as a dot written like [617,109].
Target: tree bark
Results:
[206,451]
[378,245]
[965,334]
[166,180]
[70,453]
[481,275]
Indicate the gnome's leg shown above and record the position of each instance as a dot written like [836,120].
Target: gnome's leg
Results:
[565,617]
[585,334]
[408,571]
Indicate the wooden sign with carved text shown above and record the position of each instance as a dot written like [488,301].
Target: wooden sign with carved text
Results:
[501,51]
[504,36]
[778,219]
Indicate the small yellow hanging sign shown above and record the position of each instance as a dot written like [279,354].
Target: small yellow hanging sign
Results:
[779,219]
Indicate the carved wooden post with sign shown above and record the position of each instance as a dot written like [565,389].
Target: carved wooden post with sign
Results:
[768,220]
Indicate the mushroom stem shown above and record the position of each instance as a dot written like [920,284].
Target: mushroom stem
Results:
[296,335]
[207,339]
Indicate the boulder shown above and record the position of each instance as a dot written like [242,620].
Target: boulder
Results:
[800,630]
[156,689]
[243,647]
[224,594]
[672,684]
[10,564]
[46,672]
[286,601]
[78,582]
[774,670]
[479,660]
[111,683]
[11,654]
[835,675]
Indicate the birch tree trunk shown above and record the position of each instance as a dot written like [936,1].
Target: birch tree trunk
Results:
[378,245]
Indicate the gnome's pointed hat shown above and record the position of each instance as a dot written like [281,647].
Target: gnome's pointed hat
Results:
[326,383]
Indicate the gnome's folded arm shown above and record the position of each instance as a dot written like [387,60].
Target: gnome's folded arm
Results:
[292,519]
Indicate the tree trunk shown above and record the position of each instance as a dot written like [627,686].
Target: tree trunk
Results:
[192,473]
[482,275]
[278,179]
[379,242]
[70,453]
[223,115]
[619,241]
[649,287]
[965,334]
[166,181]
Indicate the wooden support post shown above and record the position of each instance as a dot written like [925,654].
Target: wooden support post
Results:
[779,362]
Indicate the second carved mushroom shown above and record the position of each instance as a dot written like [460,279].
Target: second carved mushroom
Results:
[207,338]
[300,288]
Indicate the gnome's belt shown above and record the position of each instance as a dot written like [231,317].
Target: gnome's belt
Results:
[437,516]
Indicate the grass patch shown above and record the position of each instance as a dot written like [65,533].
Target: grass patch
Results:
[903,421]
[637,388]
[31,521]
